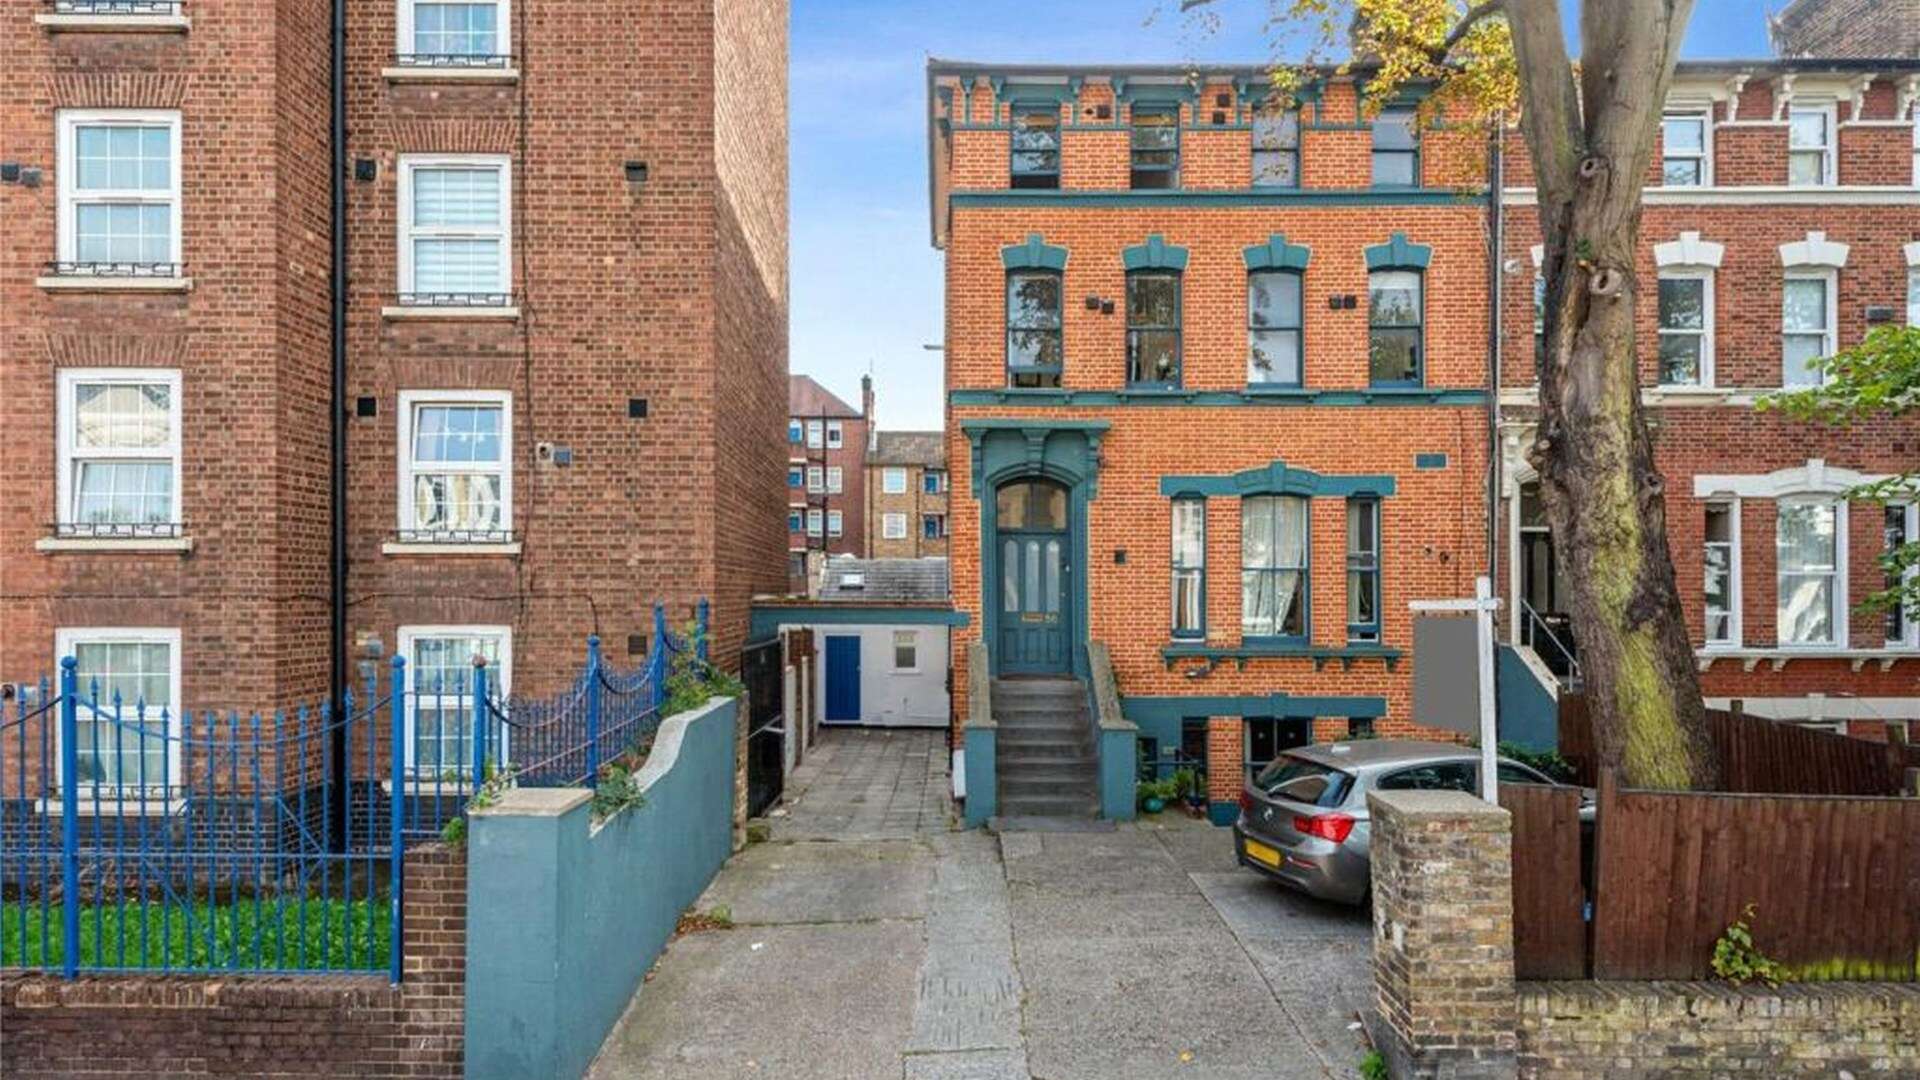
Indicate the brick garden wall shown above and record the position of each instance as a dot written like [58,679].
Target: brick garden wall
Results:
[1696,1031]
[185,1026]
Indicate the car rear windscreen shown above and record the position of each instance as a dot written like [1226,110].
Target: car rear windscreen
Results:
[1298,780]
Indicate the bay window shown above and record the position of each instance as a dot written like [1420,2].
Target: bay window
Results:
[1273,328]
[1812,588]
[119,453]
[1189,568]
[1273,567]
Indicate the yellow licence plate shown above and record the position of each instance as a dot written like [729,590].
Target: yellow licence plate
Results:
[1265,854]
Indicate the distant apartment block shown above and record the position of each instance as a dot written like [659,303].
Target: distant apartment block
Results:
[907,495]
[828,442]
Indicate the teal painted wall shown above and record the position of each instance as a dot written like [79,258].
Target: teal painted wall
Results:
[983,782]
[1528,714]
[1119,772]
[563,922]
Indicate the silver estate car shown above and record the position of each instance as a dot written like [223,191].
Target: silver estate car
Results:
[1303,819]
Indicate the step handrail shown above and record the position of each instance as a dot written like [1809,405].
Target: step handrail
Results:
[979,687]
[1105,690]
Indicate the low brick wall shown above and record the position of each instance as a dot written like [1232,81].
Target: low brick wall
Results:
[1693,1031]
[259,1026]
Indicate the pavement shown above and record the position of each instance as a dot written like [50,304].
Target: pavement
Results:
[872,938]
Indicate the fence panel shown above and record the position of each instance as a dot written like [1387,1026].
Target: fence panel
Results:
[1764,756]
[760,669]
[1549,899]
[1835,883]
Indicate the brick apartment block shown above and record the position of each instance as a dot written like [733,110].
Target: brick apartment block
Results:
[566,334]
[907,495]
[828,442]
[1137,255]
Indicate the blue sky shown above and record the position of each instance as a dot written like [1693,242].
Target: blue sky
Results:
[866,281]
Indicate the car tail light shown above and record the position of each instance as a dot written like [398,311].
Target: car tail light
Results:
[1246,802]
[1334,827]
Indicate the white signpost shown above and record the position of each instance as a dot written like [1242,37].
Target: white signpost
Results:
[1482,606]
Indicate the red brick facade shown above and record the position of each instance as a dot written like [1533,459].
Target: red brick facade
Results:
[917,512]
[1431,442]
[827,443]
[644,347]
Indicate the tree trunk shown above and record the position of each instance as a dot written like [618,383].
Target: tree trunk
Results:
[1603,495]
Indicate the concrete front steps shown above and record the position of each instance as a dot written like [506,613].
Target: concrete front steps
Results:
[1045,756]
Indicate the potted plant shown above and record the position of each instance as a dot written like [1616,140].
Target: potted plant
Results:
[1153,795]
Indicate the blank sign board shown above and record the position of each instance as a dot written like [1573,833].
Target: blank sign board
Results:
[1446,665]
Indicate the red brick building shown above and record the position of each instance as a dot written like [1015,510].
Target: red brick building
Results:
[1219,380]
[565,335]
[827,446]
[1872,29]
[907,495]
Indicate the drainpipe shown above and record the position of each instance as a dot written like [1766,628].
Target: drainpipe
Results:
[1496,281]
[337,408]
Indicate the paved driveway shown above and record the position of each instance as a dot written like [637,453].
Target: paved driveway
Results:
[873,940]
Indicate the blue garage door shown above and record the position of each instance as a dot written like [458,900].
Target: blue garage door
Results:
[843,679]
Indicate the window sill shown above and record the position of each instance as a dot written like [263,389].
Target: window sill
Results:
[450,75]
[114,24]
[115,545]
[417,786]
[401,313]
[75,283]
[113,804]
[395,548]
[1778,658]
[1321,655]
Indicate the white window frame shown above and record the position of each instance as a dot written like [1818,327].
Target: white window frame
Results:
[836,435]
[1735,599]
[816,523]
[1829,166]
[503,25]
[1703,274]
[403,450]
[816,434]
[499,676]
[1831,277]
[836,523]
[893,480]
[407,233]
[1910,621]
[816,479]
[912,642]
[68,452]
[67,169]
[836,479]
[1705,117]
[66,638]
[893,526]
[1841,607]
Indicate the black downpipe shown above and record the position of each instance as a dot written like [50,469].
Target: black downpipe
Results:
[337,417]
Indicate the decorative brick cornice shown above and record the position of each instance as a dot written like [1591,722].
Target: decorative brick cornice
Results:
[117,350]
[453,136]
[117,90]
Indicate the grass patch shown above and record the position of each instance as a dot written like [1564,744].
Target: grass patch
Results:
[278,934]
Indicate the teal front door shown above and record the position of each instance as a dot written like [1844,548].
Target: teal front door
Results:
[1035,616]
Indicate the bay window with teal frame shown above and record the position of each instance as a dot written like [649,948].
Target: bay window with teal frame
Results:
[1189,568]
[1363,569]
[1274,557]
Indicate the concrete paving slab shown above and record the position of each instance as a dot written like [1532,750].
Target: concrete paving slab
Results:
[969,1065]
[811,1003]
[822,882]
[1254,907]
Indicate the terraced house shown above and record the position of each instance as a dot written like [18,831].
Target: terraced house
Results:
[1221,401]
[557,364]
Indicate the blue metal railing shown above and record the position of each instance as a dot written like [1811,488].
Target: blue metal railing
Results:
[135,838]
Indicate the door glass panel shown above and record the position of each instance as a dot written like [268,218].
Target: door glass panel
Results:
[1053,577]
[1012,506]
[1032,577]
[1010,576]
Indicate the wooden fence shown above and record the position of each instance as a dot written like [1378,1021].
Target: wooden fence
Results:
[1766,756]
[1834,881]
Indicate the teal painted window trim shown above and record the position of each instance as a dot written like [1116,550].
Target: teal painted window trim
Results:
[1139,93]
[1277,254]
[1363,564]
[1198,570]
[1279,396]
[1268,505]
[1253,649]
[1265,283]
[1278,478]
[1159,710]
[1136,332]
[1399,253]
[1035,254]
[1154,254]
[1429,461]
[1032,93]
[1163,197]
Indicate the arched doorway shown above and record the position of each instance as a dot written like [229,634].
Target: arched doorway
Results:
[1035,599]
